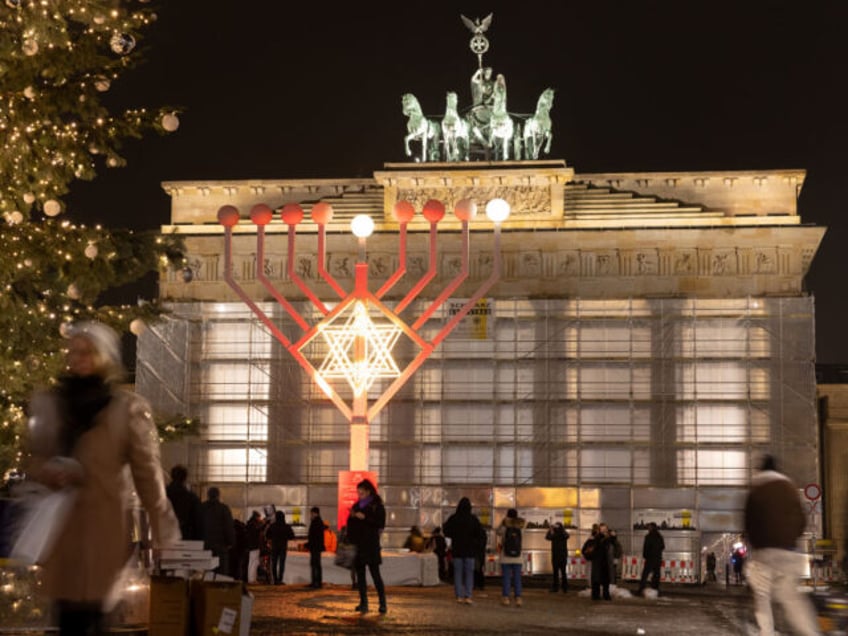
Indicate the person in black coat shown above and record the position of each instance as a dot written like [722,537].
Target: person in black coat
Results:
[652,552]
[558,536]
[439,546]
[279,534]
[315,543]
[603,565]
[186,504]
[365,524]
[466,534]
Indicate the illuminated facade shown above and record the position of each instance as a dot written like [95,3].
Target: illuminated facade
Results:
[648,340]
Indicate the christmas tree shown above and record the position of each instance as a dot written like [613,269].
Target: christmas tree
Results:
[58,60]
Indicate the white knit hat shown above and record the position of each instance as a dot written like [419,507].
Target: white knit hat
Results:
[105,340]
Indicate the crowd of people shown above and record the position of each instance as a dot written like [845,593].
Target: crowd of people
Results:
[86,430]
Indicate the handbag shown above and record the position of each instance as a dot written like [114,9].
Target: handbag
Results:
[345,555]
[43,518]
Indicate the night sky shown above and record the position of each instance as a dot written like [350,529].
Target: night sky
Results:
[281,89]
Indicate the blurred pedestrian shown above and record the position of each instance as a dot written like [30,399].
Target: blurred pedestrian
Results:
[278,535]
[652,552]
[558,536]
[217,528]
[365,525]
[315,545]
[83,433]
[186,504]
[774,521]
[464,530]
[512,559]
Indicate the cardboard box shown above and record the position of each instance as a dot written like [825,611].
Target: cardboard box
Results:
[169,606]
[216,607]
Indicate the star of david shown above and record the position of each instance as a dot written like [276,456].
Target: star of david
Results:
[360,350]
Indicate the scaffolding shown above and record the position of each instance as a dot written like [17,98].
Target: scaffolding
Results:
[580,410]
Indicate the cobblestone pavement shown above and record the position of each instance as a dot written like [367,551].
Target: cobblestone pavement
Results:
[431,611]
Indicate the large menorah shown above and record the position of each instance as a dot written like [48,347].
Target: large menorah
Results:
[360,331]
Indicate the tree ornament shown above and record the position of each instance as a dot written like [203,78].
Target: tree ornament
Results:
[29,92]
[188,274]
[102,84]
[90,250]
[122,43]
[64,329]
[29,198]
[170,122]
[15,217]
[138,327]
[29,47]
[113,162]
[73,292]
[52,207]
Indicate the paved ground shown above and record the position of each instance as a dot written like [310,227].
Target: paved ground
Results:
[296,609]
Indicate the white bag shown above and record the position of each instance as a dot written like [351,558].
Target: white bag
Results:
[42,520]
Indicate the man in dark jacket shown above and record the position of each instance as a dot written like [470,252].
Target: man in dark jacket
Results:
[185,503]
[774,520]
[218,534]
[315,543]
[253,538]
[652,551]
[558,536]
[279,534]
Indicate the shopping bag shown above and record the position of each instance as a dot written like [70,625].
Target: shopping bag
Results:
[42,519]
[345,555]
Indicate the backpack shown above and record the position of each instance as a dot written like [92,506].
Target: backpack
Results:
[512,542]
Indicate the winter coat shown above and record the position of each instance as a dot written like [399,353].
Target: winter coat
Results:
[558,536]
[465,532]
[95,543]
[365,533]
[315,536]
[653,546]
[218,529]
[774,517]
[187,508]
[514,522]
[603,559]
[279,533]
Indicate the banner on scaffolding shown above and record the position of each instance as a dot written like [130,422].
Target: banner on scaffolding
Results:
[477,323]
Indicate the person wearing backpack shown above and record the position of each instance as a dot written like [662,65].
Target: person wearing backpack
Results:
[509,538]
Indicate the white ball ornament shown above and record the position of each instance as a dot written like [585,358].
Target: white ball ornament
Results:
[28,197]
[29,47]
[90,250]
[15,217]
[138,327]
[122,43]
[112,162]
[52,207]
[64,329]
[170,122]
[102,84]
[29,92]
[73,292]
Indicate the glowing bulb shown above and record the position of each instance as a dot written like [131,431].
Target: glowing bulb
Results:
[497,210]
[362,226]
